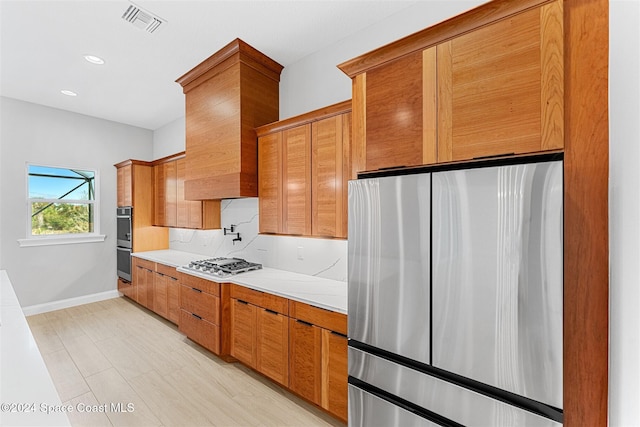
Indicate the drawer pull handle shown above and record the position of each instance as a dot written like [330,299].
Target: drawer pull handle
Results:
[196,316]
[242,302]
[197,290]
[304,323]
[270,311]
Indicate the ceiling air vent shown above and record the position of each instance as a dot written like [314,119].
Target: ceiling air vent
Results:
[142,19]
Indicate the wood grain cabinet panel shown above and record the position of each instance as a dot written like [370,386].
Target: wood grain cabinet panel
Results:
[124,186]
[394,113]
[200,309]
[171,209]
[243,332]
[305,360]
[272,346]
[304,167]
[126,288]
[334,373]
[199,330]
[227,96]
[173,299]
[196,301]
[296,177]
[500,88]
[270,183]
[166,196]
[160,294]
[330,139]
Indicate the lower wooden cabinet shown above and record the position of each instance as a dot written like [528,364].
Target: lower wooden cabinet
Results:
[201,331]
[200,312]
[126,288]
[272,345]
[260,332]
[154,286]
[305,360]
[334,373]
[318,356]
[143,271]
[243,332]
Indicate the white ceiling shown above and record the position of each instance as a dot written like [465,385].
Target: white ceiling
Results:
[42,44]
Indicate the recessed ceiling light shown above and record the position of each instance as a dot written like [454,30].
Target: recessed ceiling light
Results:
[69,92]
[94,59]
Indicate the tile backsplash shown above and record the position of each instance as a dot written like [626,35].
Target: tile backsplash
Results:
[325,258]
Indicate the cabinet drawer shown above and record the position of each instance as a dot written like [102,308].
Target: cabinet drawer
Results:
[327,319]
[201,303]
[146,264]
[204,285]
[166,270]
[260,299]
[199,330]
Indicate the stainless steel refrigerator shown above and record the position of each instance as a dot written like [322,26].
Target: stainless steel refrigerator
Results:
[455,295]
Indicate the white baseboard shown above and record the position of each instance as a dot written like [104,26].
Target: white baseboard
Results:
[70,302]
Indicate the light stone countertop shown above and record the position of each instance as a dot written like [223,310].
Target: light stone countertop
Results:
[25,379]
[317,291]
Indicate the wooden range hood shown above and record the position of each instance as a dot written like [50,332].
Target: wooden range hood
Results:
[227,96]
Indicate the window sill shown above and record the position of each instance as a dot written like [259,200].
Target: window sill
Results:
[66,240]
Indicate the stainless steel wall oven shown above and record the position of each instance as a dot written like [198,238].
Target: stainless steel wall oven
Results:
[124,242]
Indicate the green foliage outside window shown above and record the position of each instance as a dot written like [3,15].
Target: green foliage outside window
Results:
[62,200]
[61,218]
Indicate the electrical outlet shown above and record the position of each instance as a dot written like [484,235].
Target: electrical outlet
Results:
[300,253]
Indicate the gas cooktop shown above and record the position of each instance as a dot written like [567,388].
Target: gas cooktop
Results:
[221,267]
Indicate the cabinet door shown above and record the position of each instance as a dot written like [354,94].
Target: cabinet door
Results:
[173,299]
[124,186]
[305,367]
[296,175]
[270,182]
[500,88]
[334,373]
[144,286]
[165,180]
[160,294]
[394,107]
[329,174]
[273,345]
[243,332]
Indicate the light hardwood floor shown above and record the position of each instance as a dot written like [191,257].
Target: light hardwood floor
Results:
[115,351]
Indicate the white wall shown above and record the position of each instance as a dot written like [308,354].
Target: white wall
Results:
[169,139]
[34,133]
[315,81]
[624,208]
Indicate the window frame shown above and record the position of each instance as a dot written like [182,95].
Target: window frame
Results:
[65,238]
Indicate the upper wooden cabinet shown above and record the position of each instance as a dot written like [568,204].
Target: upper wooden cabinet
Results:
[227,96]
[304,167]
[124,186]
[489,82]
[171,208]
[136,188]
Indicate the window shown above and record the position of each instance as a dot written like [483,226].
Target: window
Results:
[62,205]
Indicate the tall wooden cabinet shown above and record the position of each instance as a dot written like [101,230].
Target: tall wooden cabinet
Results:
[227,96]
[136,186]
[510,77]
[304,165]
